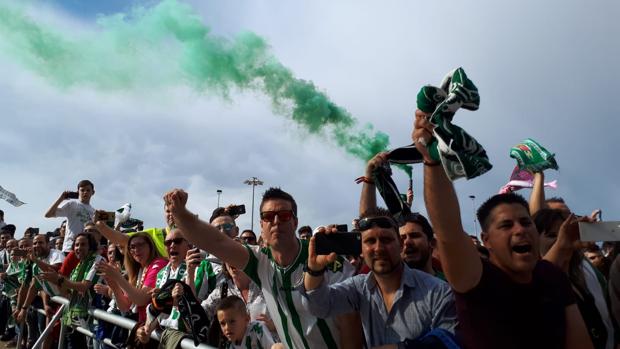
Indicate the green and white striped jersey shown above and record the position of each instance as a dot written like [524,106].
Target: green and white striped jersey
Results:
[282,286]
[256,336]
[54,257]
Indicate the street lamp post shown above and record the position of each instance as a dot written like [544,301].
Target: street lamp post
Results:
[253,182]
[219,192]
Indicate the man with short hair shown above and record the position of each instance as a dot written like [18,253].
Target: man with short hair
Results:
[77,212]
[277,268]
[305,232]
[398,304]
[513,300]
[416,233]
[249,237]
[224,222]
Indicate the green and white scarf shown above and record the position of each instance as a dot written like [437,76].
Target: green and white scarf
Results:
[165,274]
[533,157]
[78,304]
[460,154]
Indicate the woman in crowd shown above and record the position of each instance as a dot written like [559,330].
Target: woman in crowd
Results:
[142,263]
[559,244]
[79,286]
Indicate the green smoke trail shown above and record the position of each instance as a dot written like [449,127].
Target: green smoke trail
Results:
[169,45]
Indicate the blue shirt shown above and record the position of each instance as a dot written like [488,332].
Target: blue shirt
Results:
[422,303]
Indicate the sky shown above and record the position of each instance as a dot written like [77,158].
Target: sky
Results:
[546,71]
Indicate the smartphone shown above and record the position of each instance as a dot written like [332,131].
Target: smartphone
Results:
[73,195]
[236,210]
[342,228]
[18,252]
[105,216]
[600,231]
[349,243]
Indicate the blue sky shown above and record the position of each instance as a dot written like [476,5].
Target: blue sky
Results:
[544,70]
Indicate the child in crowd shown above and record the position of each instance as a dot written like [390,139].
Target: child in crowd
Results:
[235,322]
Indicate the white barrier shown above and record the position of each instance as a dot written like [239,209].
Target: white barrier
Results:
[107,317]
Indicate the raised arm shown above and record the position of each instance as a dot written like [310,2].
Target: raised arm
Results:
[368,199]
[203,234]
[114,236]
[537,197]
[459,258]
[51,212]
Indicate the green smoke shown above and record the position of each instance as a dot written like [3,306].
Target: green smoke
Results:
[168,45]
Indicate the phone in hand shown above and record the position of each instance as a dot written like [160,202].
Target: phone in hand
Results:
[342,228]
[349,243]
[236,210]
[73,195]
[18,252]
[104,216]
[600,231]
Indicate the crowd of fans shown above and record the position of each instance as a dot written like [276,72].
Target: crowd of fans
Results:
[418,283]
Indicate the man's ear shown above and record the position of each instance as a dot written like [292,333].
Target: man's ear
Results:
[485,237]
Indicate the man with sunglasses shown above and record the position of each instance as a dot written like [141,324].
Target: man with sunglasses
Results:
[247,236]
[277,268]
[398,305]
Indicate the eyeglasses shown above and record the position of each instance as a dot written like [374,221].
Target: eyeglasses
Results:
[283,215]
[225,227]
[381,222]
[90,231]
[177,241]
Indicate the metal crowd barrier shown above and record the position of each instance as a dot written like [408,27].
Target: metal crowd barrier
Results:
[103,316]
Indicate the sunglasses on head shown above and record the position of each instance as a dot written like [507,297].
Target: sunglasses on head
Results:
[177,241]
[225,227]
[381,222]
[283,215]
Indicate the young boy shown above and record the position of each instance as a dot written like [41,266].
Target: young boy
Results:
[236,326]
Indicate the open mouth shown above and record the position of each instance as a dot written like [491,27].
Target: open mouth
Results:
[527,248]
[173,253]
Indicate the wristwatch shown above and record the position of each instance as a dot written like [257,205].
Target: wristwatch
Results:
[314,272]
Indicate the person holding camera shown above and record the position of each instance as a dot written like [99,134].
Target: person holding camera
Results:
[77,212]
[277,268]
[398,305]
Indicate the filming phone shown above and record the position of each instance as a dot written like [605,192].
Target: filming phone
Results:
[345,244]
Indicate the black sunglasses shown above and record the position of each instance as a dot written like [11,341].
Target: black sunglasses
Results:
[381,222]
[177,241]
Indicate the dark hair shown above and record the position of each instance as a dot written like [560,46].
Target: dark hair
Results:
[305,228]
[415,217]
[484,211]
[84,183]
[231,302]
[8,229]
[46,236]
[544,219]
[555,199]
[92,243]
[277,193]
[1,214]
[131,265]
[248,231]
[219,212]
[592,248]
[381,212]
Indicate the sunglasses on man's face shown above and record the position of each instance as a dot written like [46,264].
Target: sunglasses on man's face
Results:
[283,215]
[225,227]
[177,241]
[381,222]
[248,238]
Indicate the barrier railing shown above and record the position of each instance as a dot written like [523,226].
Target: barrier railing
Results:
[102,316]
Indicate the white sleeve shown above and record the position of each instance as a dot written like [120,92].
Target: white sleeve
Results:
[56,257]
[92,272]
[65,209]
[264,336]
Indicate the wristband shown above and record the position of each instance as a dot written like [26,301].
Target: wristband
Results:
[315,273]
[364,179]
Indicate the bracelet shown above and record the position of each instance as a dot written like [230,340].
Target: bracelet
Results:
[364,179]
[431,164]
[314,273]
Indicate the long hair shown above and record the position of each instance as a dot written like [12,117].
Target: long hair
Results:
[131,265]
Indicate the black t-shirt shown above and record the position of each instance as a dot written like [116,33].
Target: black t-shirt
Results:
[500,313]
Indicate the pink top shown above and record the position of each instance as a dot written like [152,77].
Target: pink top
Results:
[149,281]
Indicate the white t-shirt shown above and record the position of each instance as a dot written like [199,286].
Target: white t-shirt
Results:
[53,258]
[256,336]
[282,289]
[77,215]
